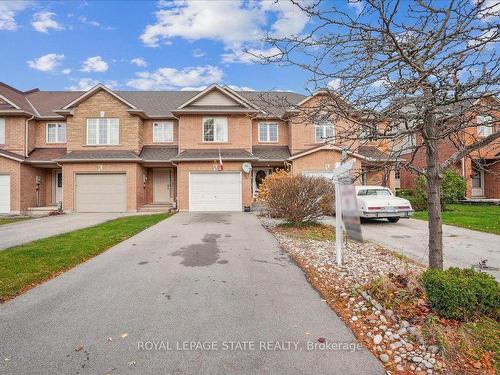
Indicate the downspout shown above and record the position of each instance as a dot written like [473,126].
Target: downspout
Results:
[176,186]
[26,138]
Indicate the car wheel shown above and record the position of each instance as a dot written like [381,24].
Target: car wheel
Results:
[393,219]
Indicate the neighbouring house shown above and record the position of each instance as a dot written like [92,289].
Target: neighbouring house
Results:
[116,151]
[481,169]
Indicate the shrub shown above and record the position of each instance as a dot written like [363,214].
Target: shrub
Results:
[453,188]
[297,198]
[462,294]
[264,186]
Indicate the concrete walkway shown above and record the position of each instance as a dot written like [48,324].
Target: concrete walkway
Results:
[213,292]
[462,247]
[34,229]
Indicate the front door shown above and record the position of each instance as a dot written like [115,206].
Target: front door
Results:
[477,182]
[58,183]
[162,185]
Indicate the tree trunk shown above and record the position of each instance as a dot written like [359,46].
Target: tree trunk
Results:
[434,180]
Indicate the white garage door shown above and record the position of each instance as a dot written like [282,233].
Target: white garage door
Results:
[215,191]
[4,194]
[101,192]
[328,175]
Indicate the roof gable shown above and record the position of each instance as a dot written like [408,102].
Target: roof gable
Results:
[214,96]
[93,91]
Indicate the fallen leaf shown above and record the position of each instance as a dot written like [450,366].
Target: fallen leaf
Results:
[322,340]
[124,335]
[78,348]
[131,363]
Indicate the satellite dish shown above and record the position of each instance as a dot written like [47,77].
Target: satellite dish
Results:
[246,167]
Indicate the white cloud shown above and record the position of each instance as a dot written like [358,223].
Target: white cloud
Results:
[43,21]
[172,78]
[46,63]
[139,61]
[357,5]
[94,23]
[490,8]
[250,55]
[238,24]
[95,64]
[66,71]
[240,88]
[334,84]
[198,53]
[486,40]
[8,11]
[85,84]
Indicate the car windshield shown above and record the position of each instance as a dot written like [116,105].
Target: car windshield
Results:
[377,192]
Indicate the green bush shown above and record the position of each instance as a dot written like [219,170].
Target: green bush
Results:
[462,294]
[453,189]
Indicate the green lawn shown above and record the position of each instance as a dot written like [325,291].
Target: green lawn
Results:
[24,266]
[484,218]
[9,220]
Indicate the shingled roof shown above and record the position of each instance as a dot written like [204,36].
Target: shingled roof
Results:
[213,154]
[158,153]
[271,153]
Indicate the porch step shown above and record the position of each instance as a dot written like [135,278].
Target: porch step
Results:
[167,207]
[41,211]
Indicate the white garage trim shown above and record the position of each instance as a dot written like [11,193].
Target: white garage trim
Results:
[101,192]
[4,194]
[326,174]
[215,191]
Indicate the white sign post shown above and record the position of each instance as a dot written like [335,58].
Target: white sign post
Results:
[341,170]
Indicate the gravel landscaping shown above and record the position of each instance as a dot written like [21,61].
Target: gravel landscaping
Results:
[399,344]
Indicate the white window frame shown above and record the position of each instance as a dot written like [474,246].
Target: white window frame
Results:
[167,131]
[268,133]
[216,140]
[323,126]
[57,125]
[108,132]
[484,130]
[2,131]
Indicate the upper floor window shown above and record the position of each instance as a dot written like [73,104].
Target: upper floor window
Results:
[163,131]
[103,131]
[215,129]
[324,132]
[56,133]
[2,131]
[484,126]
[268,132]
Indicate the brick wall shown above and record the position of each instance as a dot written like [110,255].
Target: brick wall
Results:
[14,134]
[39,131]
[191,132]
[492,181]
[102,101]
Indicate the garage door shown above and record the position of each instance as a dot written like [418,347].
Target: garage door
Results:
[4,194]
[101,192]
[215,191]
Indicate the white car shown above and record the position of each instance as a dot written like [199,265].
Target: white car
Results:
[377,202]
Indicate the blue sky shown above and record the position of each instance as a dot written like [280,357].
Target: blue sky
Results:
[144,45]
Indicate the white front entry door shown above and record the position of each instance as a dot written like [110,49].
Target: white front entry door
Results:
[162,185]
[215,191]
[477,182]
[58,183]
[4,194]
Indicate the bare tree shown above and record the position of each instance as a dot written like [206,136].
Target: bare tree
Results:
[409,75]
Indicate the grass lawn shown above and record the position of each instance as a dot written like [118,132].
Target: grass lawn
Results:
[24,266]
[484,218]
[9,220]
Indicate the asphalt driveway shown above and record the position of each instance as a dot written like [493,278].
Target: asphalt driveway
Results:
[214,279]
[34,229]
[462,247]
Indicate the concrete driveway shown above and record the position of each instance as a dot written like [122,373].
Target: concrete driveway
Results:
[191,279]
[462,247]
[30,230]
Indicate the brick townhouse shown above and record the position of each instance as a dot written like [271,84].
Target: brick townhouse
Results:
[115,151]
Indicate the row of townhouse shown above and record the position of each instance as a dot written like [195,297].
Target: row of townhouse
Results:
[116,151]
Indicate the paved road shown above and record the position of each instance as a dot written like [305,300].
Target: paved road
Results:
[462,247]
[30,230]
[198,277]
